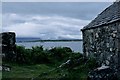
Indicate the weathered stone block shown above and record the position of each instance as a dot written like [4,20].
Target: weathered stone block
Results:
[8,44]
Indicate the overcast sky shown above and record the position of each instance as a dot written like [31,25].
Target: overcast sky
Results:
[59,0]
[49,20]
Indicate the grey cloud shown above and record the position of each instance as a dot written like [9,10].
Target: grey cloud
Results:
[49,20]
[79,10]
[51,27]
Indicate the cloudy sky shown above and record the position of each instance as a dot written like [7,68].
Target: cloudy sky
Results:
[49,20]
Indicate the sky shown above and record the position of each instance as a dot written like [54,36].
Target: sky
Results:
[59,0]
[49,20]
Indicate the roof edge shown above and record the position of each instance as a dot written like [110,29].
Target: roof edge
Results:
[96,26]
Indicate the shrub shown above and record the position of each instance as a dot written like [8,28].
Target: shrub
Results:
[60,52]
[20,54]
[37,55]
[37,49]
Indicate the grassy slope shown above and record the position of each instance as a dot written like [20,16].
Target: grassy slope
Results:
[77,69]
[26,71]
[45,71]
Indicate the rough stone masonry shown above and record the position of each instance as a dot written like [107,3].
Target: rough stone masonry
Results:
[101,40]
[101,37]
[8,44]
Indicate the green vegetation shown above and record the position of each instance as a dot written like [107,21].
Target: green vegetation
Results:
[25,71]
[58,63]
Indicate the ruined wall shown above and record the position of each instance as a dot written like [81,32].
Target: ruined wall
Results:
[103,43]
[8,44]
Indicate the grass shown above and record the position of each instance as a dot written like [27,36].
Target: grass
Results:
[48,72]
[26,71]
[40,64]
[0,75]
[63,74]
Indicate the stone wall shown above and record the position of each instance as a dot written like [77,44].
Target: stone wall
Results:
[8,44]
[103,43]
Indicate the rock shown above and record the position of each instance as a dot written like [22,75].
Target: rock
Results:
[103,73]
[66,63]
[5,68]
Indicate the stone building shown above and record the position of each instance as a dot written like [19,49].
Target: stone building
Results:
[101,37]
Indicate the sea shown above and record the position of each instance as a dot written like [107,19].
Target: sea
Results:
[76,46]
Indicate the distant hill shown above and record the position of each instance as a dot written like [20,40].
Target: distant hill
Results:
[30,39]
[20,39]
[58,40]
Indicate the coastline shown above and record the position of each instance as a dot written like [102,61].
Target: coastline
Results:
[51,40]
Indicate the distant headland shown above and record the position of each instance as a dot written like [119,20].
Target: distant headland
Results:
[40,40]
